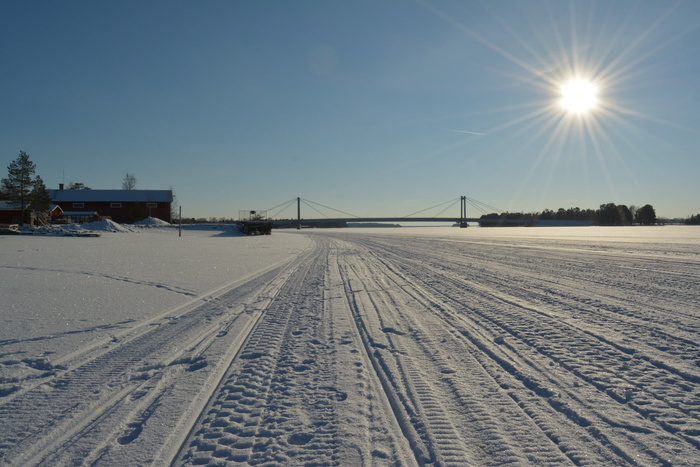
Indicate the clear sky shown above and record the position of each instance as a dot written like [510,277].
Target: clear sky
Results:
[375,108]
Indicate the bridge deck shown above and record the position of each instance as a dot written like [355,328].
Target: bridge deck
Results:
[384,219]
[401,220]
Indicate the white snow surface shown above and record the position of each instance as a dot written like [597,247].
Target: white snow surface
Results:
[411,346]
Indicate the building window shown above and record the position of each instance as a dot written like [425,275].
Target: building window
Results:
[78,205]
[115,205]
[151,205]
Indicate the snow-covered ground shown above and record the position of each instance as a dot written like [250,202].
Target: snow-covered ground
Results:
[408,346]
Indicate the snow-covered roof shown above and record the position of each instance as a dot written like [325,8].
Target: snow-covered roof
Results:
[111,196]
[10,205]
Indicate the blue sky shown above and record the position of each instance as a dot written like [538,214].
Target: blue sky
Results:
[375,108]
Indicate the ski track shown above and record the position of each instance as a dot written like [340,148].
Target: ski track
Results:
[367,350]
[602,370]
[286,401]
[102,397]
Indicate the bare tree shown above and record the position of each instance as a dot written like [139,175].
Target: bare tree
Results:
[129,182]
[78,186]
[174,207]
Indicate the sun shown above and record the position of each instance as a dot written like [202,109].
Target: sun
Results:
[579,96]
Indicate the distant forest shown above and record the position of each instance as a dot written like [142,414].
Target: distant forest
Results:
[607,214]
[693,220]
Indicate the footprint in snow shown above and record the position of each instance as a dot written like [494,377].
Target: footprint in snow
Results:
[298,439]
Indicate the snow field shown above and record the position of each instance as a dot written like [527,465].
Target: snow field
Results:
[418,346]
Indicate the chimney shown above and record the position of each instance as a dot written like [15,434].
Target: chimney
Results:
[60,186]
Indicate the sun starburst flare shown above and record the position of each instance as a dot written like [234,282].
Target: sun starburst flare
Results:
[579,96]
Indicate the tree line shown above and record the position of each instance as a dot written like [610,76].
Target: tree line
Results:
[693,220]
[607,214]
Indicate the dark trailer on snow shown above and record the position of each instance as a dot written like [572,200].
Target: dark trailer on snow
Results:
[254,223]
[256,228]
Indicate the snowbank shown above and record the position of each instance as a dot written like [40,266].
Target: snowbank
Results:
[152,222]
[105,225]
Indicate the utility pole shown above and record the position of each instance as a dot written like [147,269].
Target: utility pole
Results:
[298,213]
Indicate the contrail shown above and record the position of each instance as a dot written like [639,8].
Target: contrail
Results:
[464,131]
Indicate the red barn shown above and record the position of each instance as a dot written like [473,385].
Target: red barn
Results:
[123,206]
[11,212]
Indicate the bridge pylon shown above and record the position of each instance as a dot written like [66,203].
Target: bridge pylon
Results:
[463,212]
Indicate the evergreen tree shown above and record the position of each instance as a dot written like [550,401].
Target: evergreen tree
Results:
[39,197]
[137,212]
[19,183]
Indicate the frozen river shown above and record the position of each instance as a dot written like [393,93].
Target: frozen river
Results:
[404,346]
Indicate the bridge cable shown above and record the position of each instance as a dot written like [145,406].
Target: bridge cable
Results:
[306,201]
[453,201]
[448,207]
[472,200]
[312,207]
[480,206]
[287,205]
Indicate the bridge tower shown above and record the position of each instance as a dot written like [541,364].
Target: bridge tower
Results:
[463,212]
[298,213]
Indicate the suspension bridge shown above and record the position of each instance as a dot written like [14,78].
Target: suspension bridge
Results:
[341,218]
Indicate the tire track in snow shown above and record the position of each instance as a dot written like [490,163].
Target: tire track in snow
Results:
[616,303]
[125,332]
[455,425]
[627,292]
[438,441]
[251,420]
[634,383]
[371,409]
[77,413]
[649,370]
[290,394]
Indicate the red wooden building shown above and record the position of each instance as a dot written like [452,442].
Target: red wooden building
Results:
[122,206]
[11,212]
